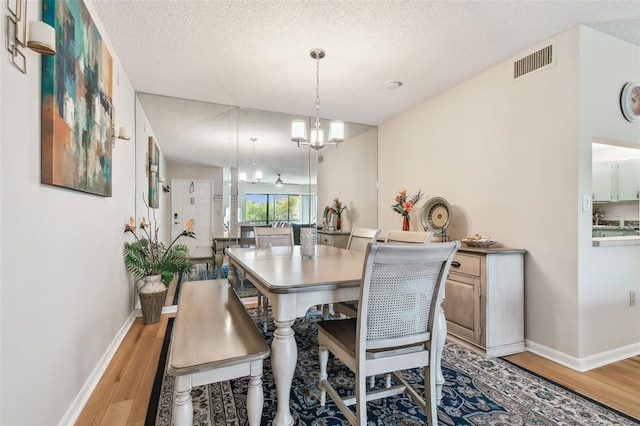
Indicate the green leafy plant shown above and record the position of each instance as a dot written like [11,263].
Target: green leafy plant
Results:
[148,256]
[404,204]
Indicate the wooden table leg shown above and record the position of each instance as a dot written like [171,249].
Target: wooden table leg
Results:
[182,403]
[284,355]
[255,395]
[232,275]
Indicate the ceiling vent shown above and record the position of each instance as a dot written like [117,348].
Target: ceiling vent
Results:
[535,61]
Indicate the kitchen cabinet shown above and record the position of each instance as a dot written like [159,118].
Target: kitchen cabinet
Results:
[484,299]
[335,239]
[616,180]
[615,232]
[602,180]
[629,179]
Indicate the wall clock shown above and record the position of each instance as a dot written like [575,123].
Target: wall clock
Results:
[630,101]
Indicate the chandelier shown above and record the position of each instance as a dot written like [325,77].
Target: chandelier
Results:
[298,127]
[256,175]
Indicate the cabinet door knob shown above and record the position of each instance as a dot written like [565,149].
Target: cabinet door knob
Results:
[455,264]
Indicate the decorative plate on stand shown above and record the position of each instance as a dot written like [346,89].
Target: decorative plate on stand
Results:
[436,216]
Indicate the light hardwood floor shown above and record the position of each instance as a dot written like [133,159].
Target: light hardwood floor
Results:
[122,395]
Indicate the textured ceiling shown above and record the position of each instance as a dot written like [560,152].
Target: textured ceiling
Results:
[256,53]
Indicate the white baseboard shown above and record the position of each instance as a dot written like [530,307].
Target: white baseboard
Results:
[587,363]
[87,389]
[171,309]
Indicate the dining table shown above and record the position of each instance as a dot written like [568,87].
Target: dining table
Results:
[294,283]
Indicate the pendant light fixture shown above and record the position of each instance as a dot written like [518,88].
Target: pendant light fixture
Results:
[256,175]
[298,127]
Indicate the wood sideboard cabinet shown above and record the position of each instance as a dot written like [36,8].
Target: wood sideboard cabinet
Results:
[335,239]
[484,299]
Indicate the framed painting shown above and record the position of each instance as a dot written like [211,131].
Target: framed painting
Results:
[154,173]
[77,109]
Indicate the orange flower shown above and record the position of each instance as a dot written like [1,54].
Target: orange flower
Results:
[403,205]
[144,223]
[337,207]
[131,226]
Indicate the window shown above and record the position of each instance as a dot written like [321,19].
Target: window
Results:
[268,208]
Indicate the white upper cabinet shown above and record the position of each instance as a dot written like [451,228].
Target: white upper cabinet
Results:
[602,181]
[616,180]
[629,180]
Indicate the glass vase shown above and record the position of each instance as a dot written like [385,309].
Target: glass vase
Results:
[338,223]
[405,223]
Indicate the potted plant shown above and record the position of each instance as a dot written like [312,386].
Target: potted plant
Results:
[336,209]
[404,204]
[153,264]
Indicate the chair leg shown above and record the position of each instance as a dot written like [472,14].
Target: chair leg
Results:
[265,313]
[430,396]
[323,356]
[372,382]
[387,381]
[361,399]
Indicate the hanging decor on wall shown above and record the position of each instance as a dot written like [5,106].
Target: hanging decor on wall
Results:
[77,113]
[153,172]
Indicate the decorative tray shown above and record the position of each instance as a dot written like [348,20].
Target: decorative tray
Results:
[479,241]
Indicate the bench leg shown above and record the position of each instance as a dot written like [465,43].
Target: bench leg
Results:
[182,403]
[255,395]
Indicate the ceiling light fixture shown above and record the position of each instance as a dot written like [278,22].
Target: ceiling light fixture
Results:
[256,175]
[279,182]
[298,127]
[392,85]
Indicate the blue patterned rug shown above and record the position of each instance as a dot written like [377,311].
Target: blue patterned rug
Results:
[478,391]
[244,288]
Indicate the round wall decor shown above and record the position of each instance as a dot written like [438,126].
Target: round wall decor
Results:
[630,101]
[436,215]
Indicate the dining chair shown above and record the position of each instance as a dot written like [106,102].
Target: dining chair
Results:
[358,241]
[270,237]
[409,237]
[350,308]
[401,289]
[360,237]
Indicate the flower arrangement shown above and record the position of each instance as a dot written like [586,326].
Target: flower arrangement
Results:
[148,256]
[337,207]
[404,204]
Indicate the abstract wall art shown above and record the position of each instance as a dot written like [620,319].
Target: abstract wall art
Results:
[77,109]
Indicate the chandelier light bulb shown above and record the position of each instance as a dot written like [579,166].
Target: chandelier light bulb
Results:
[336,131]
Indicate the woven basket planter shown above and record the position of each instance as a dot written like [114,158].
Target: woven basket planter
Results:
[152,297]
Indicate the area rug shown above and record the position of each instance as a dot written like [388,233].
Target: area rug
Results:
[478,391]
[244,288]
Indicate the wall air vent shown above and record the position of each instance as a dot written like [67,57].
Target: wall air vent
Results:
[535,61]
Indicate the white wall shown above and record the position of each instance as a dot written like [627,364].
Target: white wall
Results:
[350,173]
[65,292]
[512,158]
[608,327]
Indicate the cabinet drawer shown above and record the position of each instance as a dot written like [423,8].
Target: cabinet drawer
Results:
[327,240]
[466,264]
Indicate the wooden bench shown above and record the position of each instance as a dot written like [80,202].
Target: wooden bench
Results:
[214,339]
